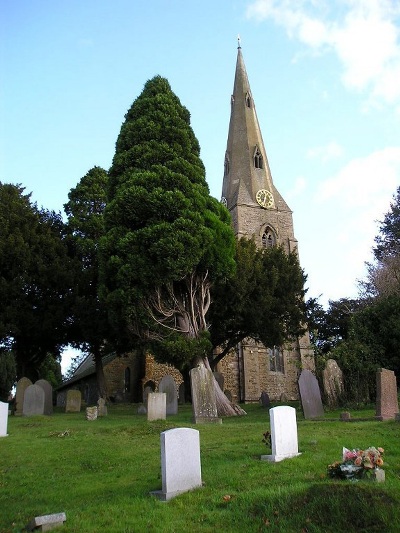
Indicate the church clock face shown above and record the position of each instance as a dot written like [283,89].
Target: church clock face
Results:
[265,198]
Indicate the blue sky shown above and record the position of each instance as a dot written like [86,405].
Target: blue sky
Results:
[325,77]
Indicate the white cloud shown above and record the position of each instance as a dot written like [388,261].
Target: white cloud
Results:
[364,34]
[332,150]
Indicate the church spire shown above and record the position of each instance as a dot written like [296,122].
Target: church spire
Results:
[246,165]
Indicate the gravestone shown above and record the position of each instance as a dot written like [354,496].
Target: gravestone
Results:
[3,419]
[333,382]
[180,462]
[146,391]
[141,410]
[387,405]
[48,395]
[168,385]
[284,441]
[181,394]
[156,406]
[33,401]
[22,385]
[91,413]
[102,407]
[204,406]
[46,522]
[264,399]
[74,401]
[310,395]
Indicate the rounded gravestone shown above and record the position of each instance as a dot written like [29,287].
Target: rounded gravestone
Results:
[48,395]
[33,401]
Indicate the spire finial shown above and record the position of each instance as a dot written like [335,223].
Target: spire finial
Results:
[238,39]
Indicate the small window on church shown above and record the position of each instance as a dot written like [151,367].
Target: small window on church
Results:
[226,165]
[276,360]
[248,100]
[127,379]
[268,238]
[258,158]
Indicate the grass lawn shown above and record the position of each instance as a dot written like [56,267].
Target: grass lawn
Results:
[100,474]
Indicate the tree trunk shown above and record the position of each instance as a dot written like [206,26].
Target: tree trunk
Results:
[224,406]
[101,380]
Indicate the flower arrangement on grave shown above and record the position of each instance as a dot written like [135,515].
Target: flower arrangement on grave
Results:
[357,464]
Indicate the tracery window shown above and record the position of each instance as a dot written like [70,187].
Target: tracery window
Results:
[276,359]
[268,239]
[248,100]
[258,158]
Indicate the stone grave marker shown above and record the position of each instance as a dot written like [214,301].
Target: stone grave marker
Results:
[387,405]
[168,385]
[333,382]
[48,395]
[264,399]
[284,441]
[74,401]
[310,395]
[33,401]
[102,407]
[146,391]
[22,385]
[46,522]
[141,410]
[180,462]
[204,406]
[3,419]
[91,413]
[156,406]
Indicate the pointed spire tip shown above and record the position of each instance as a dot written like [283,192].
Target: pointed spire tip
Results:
[239,44]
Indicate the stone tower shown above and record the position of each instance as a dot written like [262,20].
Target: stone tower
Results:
[257,209]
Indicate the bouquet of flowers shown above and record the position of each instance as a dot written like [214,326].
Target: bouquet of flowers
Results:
[356,464]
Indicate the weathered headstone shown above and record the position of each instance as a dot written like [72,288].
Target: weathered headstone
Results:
[264,399]
[156,406]
[33,401]
[22,385]
[310,395]
[387,404]
[168,385]
[74,401]
[204,406]
[102,407]
[284,442]
[91,413]
[180,462]
[48,395]
[333,382]
[146,391]
[181,394]
[46,522]
[141,410]
[345,416]
[3,419]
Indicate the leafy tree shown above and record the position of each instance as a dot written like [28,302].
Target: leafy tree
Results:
[35,280]
[264,300]
[85,210]
[388,240]
[50,369]
[167,239]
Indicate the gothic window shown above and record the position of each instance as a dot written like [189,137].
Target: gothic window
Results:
[258,158]
[248,100]
[226,165]
[276,360]
[127,379]
[268,238]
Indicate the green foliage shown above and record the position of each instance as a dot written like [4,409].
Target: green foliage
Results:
[263,300]
[178,349]
[50,369]
[388,240]
[35,281]
[8,373]
[162,225]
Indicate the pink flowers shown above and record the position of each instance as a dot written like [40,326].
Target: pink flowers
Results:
[356,463]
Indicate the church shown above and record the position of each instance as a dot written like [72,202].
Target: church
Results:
[257,210]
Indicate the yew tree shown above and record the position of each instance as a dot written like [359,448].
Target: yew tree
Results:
[167,240]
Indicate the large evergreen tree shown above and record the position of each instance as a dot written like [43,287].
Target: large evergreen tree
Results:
[35,281]
[85,210]
[167,239]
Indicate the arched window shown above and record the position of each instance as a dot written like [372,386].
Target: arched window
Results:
[276,359]
[226,165]
[268,238]
[127,379]
[248,100]
[258,158]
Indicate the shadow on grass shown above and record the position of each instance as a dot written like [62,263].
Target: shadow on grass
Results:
[331,507]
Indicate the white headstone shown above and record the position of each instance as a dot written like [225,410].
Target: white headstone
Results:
[156,406]
[283,434]
[180,462]
[3,419]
